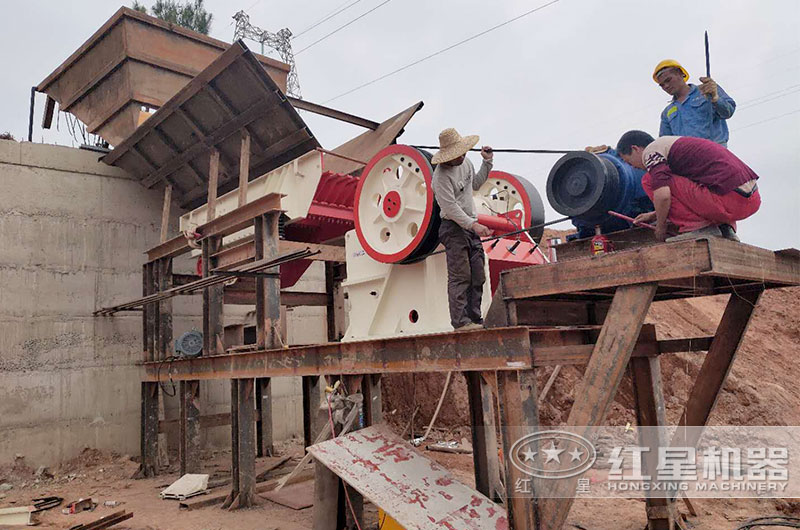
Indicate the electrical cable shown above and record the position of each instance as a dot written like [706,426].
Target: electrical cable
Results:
[343,26]
[772,520]
[795,111]
[327,17]
[419,441]
[443,50]
[169,373]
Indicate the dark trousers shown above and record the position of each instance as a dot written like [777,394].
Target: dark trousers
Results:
[465,273]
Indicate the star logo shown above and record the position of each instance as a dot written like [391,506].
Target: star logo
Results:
[575,454]
[528,455]
[553,453]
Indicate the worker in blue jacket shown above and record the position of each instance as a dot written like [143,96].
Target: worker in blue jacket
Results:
[699,111]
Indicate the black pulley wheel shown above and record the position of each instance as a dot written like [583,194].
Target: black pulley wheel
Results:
[582,185]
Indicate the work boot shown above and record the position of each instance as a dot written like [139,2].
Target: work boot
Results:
[701,233]
[471,325]
[728,232]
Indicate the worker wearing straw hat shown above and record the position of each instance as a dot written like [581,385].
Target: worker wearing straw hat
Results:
[454,180]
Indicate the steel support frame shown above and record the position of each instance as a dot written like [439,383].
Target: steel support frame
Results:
[156,344]
[251,398]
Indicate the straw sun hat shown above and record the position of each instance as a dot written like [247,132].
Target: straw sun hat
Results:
[452,145]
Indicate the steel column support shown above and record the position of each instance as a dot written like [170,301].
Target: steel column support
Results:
[268,314]
[149,391]
[312,397]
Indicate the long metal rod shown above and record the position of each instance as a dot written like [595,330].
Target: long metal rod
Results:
[529,151]
[208,281]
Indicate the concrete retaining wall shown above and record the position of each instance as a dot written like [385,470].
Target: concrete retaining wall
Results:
[72,236]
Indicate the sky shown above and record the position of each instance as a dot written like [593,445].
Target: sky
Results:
[575,73]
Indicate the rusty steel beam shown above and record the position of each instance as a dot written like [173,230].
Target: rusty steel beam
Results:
[488,349]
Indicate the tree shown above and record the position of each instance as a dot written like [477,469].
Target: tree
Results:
[192,14]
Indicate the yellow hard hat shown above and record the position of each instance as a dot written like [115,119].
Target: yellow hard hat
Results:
[667,63]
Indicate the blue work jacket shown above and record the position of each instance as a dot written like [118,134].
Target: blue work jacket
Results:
[698,117]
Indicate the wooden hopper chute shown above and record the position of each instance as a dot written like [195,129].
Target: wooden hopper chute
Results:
[134,61]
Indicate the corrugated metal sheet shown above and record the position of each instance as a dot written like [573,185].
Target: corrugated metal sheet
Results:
[234,94]
[413,489]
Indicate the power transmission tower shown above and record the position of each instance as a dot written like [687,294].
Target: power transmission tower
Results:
[280,42]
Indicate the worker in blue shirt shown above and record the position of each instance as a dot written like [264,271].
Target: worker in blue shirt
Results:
[699,111]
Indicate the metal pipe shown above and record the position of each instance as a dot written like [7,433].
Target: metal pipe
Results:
[30,116]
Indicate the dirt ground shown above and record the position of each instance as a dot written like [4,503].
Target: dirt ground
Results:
[761,390]
[106,477]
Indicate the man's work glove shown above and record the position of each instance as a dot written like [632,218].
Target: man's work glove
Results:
[709,88]
[596,149]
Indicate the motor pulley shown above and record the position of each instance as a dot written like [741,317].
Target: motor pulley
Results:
[586,186]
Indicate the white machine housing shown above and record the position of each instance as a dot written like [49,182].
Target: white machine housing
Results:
[390,300]
[296,181]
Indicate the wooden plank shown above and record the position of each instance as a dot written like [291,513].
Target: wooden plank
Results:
[651,412]
[622,240]
[244,168]
[553,312]
[165,210]
[333,113]
[519,418]
[599,385]
[718,363]
[741,261]
[484,435]
[645,265]
[213,184]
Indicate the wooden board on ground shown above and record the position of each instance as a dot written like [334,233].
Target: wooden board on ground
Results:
[296,497]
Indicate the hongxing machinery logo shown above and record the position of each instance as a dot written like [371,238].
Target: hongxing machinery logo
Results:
[553,454]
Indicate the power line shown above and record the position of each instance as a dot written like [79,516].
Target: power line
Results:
[795,111]
[443,50]
[770,97]
[337,30]
[327,17]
